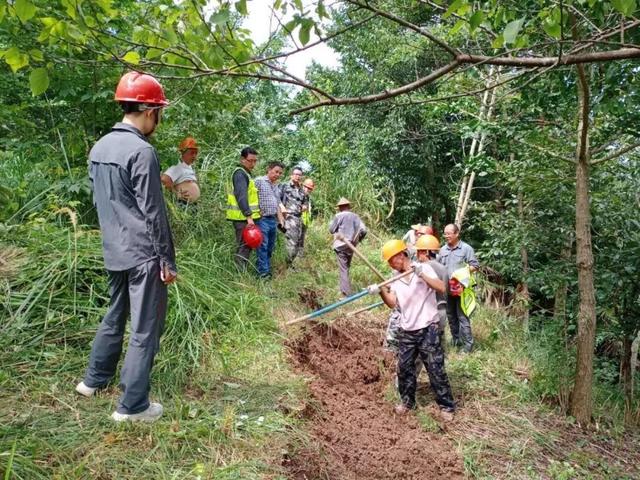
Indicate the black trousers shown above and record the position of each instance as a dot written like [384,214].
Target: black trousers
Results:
[242,250]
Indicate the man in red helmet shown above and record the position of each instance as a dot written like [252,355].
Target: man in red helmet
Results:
[138,249]
[180,178]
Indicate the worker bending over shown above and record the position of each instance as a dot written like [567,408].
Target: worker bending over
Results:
[418,335]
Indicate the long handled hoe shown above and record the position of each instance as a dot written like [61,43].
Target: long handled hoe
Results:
[349,299]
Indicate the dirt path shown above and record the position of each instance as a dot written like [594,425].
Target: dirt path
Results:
[355,434]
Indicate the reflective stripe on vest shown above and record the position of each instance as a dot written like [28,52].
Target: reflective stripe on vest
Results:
[468,297]
[233,209]
[468,301]
[306,216]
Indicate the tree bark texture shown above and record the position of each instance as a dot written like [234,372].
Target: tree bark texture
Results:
[477,144]
[582,395]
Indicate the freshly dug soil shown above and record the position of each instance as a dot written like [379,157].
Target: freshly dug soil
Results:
[355,433]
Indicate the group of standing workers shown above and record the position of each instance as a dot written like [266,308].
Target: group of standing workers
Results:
[140,259]
[265,204]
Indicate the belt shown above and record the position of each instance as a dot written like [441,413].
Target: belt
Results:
[268,216]
[294,214]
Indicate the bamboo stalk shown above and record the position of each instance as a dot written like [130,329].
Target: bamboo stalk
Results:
[364,309]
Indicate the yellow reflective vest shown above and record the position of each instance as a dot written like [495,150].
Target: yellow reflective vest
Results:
[306,216]
[233,209]
[468,298]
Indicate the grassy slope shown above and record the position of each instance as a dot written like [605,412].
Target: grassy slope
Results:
[220,374]
[229,396]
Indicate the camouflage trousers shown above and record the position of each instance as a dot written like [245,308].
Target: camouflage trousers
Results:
[393,326]
[391,338]
[423,343]
[294,237]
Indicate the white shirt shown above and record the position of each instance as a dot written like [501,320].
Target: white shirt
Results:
[181,173]
[416,300]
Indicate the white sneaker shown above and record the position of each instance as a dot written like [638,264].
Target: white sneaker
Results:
[151,414]
[82,389]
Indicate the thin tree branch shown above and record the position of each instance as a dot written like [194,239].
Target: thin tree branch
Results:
[466,94]
[384,95]
[455,15]
[616,154]
[546,152]
[452,51]
[306,47]
[610,33]
[212,32]
[591,57]
[284,27]
[538,73]
[301,82]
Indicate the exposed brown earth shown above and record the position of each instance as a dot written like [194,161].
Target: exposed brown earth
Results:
[355,434]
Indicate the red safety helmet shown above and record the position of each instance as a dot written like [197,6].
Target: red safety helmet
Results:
[252,236]
[455,287]
[140,88]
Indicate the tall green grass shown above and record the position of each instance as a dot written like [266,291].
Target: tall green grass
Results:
[221,372]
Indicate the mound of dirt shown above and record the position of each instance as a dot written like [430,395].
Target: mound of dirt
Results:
[309,298]
[355,433]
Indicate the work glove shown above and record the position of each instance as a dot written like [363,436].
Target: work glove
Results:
[373,289]
[418,269]
[281,228]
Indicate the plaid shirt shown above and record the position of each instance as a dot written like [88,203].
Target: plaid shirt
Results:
[268,196]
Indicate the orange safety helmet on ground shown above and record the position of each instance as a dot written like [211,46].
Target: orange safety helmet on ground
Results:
[427,242]
[188,143]
[140,88]
[252,236]
[309,184]
[391,248]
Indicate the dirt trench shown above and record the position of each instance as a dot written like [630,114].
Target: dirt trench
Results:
[354,432]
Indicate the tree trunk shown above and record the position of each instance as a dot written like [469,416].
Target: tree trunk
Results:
[581,397]
[477,144]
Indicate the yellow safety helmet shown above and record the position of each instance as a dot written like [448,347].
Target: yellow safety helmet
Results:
[427,242]
[391,248]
